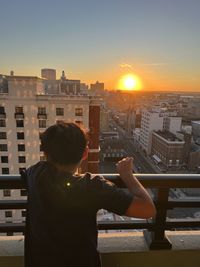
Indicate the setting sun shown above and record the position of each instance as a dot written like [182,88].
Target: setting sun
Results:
[129,82]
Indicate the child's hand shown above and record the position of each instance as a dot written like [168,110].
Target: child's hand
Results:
[125,166]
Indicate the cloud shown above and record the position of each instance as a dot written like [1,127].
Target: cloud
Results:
[125,65]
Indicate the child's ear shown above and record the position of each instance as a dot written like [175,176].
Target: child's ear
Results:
[85,153]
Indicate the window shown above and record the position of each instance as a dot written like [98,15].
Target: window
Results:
[6,192]
[2,110]
[4,159]
[3,135]
[2,123]
[23,192]
[20,135]
[41,110]
[78,112]
[40,135]
[8,213]
[21,147]
[19,123]
[22,169]
[18,110]
[23,213]
[3,147]
[5,170]
[59,111]
[42,158]
[22,159]
[42,124]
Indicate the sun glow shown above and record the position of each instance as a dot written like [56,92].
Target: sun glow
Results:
[129,82]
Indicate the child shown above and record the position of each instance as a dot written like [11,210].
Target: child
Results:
[62,206]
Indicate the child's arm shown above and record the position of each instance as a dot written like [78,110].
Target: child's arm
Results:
[142,205]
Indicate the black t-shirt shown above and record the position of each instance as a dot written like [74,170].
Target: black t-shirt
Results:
[61,221]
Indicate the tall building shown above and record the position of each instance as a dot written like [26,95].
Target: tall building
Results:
[25,112]
[154,121]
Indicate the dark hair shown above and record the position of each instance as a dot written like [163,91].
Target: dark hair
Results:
[64,143]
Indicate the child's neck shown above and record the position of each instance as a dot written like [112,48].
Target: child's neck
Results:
[72,168]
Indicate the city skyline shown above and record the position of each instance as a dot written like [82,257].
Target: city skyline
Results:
[158,41]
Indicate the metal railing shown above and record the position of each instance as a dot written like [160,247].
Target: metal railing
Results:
[154,232]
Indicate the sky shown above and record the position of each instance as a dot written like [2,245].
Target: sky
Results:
[156,40]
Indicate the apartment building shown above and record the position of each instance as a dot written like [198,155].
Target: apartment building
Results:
[25,112]
[155,120]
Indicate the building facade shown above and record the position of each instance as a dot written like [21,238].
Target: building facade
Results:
[168,149]
[25,112]
[156,120]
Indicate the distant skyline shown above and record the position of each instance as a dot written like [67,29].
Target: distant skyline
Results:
[157,40]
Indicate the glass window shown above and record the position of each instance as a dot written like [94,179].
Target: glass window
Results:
[2,110]
[59,111]
[22,169]
[19,123]
[41,110]
[8,213]
[20,135]
[21,147]
[3,147]
[22,159]
[23,192]
[78,112]
[3,135]
[5,170]
[40,135]
[2,123]
[42,158]
[42,124]
[23,213]
[4,159]
[6,192]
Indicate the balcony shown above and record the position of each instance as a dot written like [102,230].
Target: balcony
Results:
[158,245]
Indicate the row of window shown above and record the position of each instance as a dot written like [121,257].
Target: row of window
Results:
[20,135]
[8,213]
[42,111]
[7,171]
[7,192]
[21,159]
[4,147]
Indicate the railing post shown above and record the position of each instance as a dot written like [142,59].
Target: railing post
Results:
[157,239]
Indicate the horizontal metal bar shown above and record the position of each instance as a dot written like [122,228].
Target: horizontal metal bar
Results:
[103,225]
[182,204]
[182,224]
[148,180]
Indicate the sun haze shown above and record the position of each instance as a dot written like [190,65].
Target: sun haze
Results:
[129,82]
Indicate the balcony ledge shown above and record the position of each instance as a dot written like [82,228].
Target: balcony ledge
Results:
[122,249]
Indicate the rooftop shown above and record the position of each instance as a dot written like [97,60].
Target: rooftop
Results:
[168,136]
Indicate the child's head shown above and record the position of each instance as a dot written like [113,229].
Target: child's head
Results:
[64,143]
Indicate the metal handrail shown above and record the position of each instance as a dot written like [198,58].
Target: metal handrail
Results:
[155,228]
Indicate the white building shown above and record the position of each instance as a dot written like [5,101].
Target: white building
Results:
[25,112]
[154,121]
